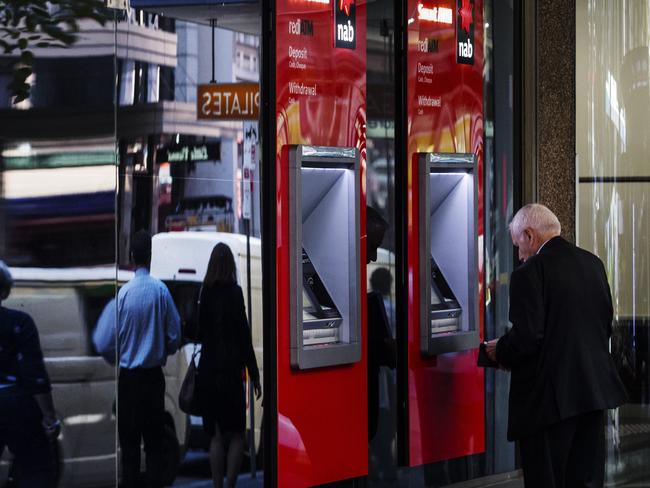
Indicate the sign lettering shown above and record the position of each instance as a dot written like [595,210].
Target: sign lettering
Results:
[229,101]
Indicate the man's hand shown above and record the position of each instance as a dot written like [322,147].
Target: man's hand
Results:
[491,349]
[52,427]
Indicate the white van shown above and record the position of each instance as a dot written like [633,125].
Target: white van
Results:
[180,260]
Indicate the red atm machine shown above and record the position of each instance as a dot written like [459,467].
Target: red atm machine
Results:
[445,391]
[317,107]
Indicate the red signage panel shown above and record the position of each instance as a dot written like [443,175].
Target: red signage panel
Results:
[445,114]
[320,100]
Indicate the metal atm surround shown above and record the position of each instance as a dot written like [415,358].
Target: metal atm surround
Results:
[302,157]
[467,337]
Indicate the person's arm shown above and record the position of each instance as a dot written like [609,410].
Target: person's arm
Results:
[203,319]
[379,339]
[172,323]
[50,423]
[105,332]
[527,316]
[247,343]
[33,376]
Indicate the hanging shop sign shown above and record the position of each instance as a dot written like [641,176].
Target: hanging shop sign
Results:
[192,153]
[248,167]
[228,101]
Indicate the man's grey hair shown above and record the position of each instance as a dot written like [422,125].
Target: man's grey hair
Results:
[537,217]
[6,281]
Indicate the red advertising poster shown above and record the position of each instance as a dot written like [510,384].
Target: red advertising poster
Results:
[445,115]
[320,100]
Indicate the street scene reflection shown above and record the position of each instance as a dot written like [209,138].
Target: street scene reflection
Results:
[86,166]
[63,279]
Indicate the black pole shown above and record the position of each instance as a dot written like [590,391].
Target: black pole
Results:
[213,24]
[400,40]
[267,131]
[251,393]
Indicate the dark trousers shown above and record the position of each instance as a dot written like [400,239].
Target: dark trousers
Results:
[141,416]
[22,432]
[569,454]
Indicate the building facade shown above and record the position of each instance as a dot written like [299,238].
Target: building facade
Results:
[502,103]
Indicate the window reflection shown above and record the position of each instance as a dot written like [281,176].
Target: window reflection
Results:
[58,228]
[180,179]
[612,106]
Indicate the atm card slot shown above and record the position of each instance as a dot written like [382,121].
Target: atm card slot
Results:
[440,325]
[315,337]
[445,313]
[309,323]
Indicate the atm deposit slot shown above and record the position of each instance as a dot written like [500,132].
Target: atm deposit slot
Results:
[325,294]
[448,253]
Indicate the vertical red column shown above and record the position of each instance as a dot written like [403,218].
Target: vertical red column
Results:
[445,114]
[320,100]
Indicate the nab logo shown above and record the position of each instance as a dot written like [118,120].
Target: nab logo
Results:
[345,24]
[465,31]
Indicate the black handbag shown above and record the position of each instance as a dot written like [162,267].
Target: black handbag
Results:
[188,396]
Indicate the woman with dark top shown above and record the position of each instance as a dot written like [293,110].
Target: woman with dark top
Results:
[226,350]
[28,423]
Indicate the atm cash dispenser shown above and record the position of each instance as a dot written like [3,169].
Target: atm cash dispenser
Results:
[448,253]
[326,290]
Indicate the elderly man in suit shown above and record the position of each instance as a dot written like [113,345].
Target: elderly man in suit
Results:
[563,378]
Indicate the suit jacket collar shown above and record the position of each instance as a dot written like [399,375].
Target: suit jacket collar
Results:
[553,243]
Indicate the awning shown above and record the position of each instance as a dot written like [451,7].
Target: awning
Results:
[236,15]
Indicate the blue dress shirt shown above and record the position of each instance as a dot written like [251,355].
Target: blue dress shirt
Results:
[149,327]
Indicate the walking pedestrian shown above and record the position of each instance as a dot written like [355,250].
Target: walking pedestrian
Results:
[226,350]
[148,331]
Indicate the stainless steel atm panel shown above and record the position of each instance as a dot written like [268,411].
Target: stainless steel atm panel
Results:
[448,214]
[325,282]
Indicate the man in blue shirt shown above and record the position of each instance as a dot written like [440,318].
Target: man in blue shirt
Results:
[148,330]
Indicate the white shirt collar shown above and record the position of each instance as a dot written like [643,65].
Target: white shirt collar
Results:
[540,247]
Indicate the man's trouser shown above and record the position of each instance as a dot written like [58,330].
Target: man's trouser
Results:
[141,416]
[568,454]
[21,430]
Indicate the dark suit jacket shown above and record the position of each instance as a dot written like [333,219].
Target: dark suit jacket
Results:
[557,349]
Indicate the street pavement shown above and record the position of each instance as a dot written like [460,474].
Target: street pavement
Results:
[195,473]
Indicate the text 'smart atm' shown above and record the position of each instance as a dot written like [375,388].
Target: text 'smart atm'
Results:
[447,247]
[325,281]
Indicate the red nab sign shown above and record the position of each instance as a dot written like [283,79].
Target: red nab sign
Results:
[228,101]
[345,24]
[465,32]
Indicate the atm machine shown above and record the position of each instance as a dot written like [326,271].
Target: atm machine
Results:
[325,280]
[448,259]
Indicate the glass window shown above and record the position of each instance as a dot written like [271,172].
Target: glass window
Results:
[613,221]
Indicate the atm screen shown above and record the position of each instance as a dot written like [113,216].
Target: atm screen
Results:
[318,308]
[441,295]
[445,309]
[441,292]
